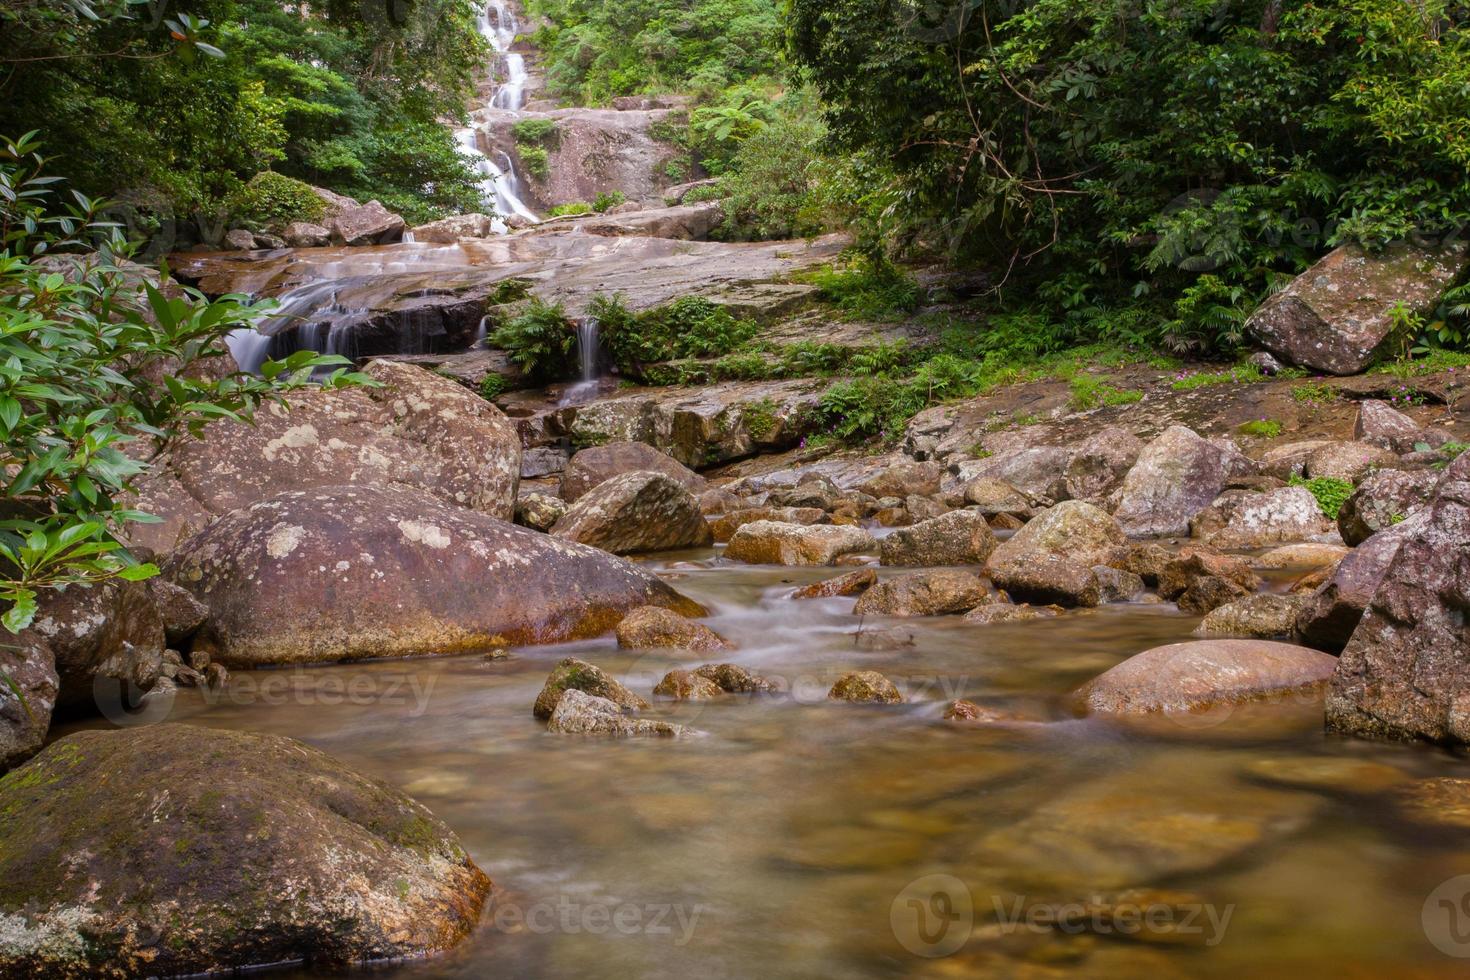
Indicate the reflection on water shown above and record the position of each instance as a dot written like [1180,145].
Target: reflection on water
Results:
[786,843]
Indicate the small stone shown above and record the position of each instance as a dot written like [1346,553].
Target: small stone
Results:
[1208,593]
[1263,615]
[578,713]
[734,679]
[539,511]
[851,584]
[1116,585]
[866,686]
[1004,612]
[936,593]
[684,685]
[579,675]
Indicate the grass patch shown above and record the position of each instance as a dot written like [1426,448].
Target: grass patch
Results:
[1089,392]
[1261,428]
[1242,374]
[1314,393]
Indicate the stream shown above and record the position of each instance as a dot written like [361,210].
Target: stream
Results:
[781,844]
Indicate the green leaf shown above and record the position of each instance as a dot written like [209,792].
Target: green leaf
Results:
[22,611]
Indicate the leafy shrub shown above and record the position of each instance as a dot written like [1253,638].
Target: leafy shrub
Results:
[744,366]
[869,289]
[492,386]
[691,326]
[536,162]
[810,357]
[272,200]
[1314,393]
[570,209]
[867,408]
[1331,493]
[760,417]
[533,130]
[540,341]
[607,201]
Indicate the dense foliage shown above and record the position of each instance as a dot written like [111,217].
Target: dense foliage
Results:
[100,366]
[1183,152]
[170,117]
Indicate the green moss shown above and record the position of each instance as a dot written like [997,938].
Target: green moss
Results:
[1261,428]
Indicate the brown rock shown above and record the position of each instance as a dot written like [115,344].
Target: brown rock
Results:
[996,498]
[683,685]
[724,527]
[1004,612]
[578,675]
[937,593]
[904,480]
[1176,476]
[1383,425]
[961,537]
[1240,519]
[367,224]
[28,690]
[539,511]
[1051,558]
[1263,616]
[1383,499]
[636,513]
[772,543]
[1100,463]
[734,679]
[1350,461]
[867,686]
[651,627]
[851,584]
[1332,612]
[578,713]
[1190,676]
[1192,564]
[594,466]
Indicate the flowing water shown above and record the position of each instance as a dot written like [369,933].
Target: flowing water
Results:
[496,23]
[786,842]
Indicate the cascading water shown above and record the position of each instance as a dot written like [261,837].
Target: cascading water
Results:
[499,186]
[589,359]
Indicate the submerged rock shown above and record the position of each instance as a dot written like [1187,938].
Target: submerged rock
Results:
[685,685]
[1404,674]
[866,686]
[1004,612]
[596,465]
[851,584]
[734,679]
[961,537]
[651,627]
[352,573]
[1337,316]
[1191,676]
[636,513]
[108,834]
[937,593]
[578,713]
[773,543]
[1177,475]
[578,675]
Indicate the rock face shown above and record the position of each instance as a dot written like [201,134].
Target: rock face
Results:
[636,513]
[417,430]
[112,630]
[595,150]
[28,690]
[1404,674]
[770,543]
[961,537]
[1190,676]
[106,834]
[1240,519]
[1330,615]
[940,593]
[348,573]
[1384,499]
[654,626]
[592,467]
[578,675]
[585,714]
[1336,316]
[1176,476]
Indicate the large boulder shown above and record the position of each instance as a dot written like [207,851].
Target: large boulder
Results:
[28,689]
[1050,560]
[904,479]
[592,467]
[1350,461]
[938,593]
[1100,463]
[651,627]
[1192,676]
[367,224]
[1337,316]
[1240,519]
[1039,471]
[350,573]
[994,498]
[1177,475]
[416,430]
[1332,612]
[1405,674]
[172,850]
[636,513]
[961,537]
[772,543]
[1383,500]
[447,231]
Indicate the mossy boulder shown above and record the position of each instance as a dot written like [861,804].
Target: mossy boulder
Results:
[179,850]
[578,675]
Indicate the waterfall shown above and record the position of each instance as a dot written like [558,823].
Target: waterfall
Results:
[589,354]
[498,186]
[408,238]
[482,333]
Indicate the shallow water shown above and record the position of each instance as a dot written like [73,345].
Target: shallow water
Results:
[788,840]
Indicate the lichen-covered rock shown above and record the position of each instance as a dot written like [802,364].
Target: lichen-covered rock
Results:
[685,685]
[367,224]
[1383,425]
[592,467]
[1051,579]
[352,573]
[1240,519]
[1182,571]
[304,234]
[1190,676]
[905,479]
[1038,471]
[28,690]
[814,491]
[1333,610]
[1350,461]
[112,630]
[1266,615]
[578,675]
[447,231]
[865,686]
[937,593]
[734,679]
[1051,558]
[1337,316]
[1101,462]
[636,513]
[851,584]
[773,543]
[578,713]
[540,511]
[1382,500]
[108,836]
[1116,585]
[724,527]
[1404,673]
[417,430]
[651,627]
[1300,556]
[1004,612]
[993,497]
[1208,593]
[1177,475]
[961,537]
[181,613]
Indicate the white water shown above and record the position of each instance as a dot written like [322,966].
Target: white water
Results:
[497,24]
[589,360]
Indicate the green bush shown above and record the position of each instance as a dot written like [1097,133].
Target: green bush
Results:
[492,386]
[607,201]
[540,341]
[536,162]
[869,289]
[1331,493]
[691,326]
[533,130]
[570,210]
[770,185]
[272,200]
[1261,428]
